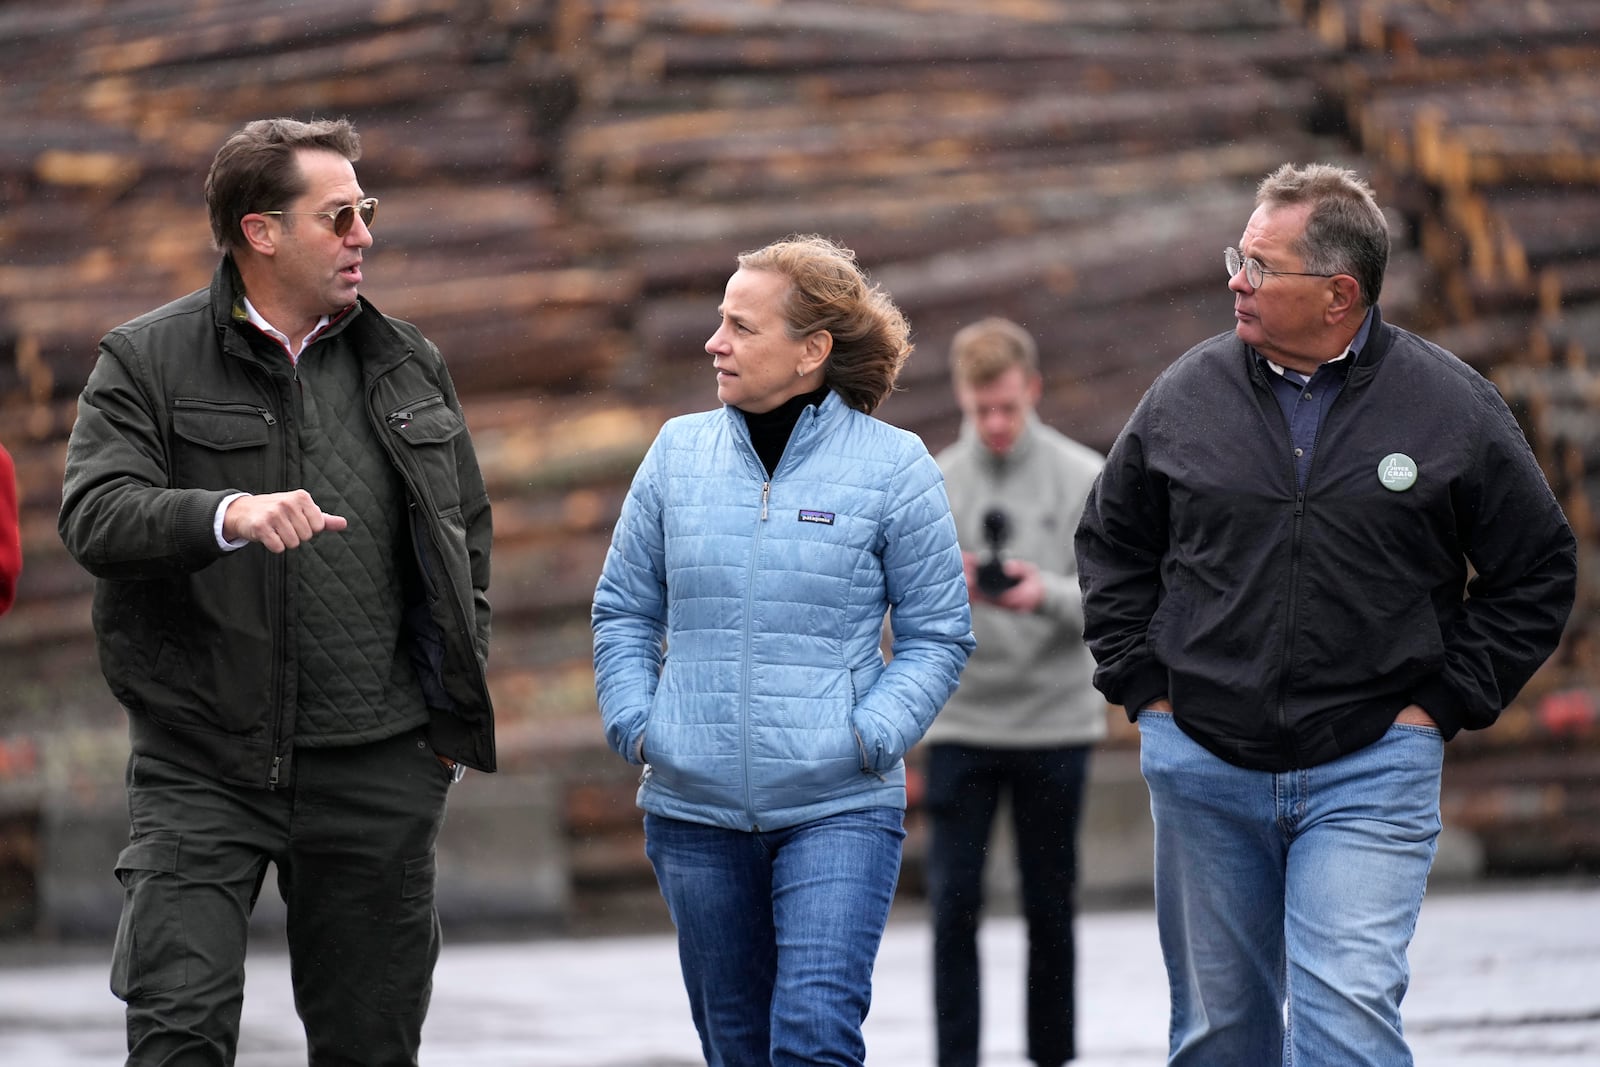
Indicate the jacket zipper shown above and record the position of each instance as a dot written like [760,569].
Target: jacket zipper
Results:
[744,666]
[265,414]
[749,601]
[280,566]
[274,563]
[1296,539]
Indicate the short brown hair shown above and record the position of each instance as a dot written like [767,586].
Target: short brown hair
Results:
[256,170]
[1346,232]
[829,291]
[986,349]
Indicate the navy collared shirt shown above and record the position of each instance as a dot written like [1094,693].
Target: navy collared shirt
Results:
[1305,401]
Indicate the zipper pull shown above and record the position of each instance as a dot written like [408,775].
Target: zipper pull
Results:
[766,488]
[400,419]
[272,778]
[268,417]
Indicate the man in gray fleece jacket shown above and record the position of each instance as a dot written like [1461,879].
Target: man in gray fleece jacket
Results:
[1026,713]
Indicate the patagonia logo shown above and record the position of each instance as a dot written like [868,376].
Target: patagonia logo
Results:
[1397,472]
[823,517]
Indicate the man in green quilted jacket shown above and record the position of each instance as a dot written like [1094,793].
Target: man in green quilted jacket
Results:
[273,485]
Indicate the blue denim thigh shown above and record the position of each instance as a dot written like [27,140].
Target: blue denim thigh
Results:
[778,931]
[1219,883]
[833,883]
[1365,831]
[1347,845]
[717,884]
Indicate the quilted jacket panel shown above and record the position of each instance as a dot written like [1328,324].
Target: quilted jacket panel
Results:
[738,620]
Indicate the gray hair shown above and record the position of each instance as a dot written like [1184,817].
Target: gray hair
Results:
[1345,233]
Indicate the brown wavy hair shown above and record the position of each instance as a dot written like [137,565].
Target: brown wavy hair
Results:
[984,350]
[256,170]
[829,291]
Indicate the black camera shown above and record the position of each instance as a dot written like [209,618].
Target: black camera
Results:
[992,577]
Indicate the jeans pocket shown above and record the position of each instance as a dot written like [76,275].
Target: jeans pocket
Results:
[151,950]
[413,937]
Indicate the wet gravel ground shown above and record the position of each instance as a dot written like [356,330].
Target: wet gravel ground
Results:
[1501,976]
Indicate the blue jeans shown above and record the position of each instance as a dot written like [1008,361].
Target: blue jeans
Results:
[964,786]
[778,931]
[1286,901]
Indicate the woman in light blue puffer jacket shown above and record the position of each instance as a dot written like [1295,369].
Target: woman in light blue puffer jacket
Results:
[737,638]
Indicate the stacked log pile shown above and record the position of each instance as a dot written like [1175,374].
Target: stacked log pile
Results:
[565,184]
[1486,119]
[111,114]
[1077,167]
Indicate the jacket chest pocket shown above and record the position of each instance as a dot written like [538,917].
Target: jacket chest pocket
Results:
[220,444]
[426,430]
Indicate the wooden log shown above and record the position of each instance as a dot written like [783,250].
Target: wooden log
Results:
[1072,61]
[1484,343]
[178,33]
[1564,285]
[1413,28]
[1533,229]
[678,243]
[546,447]
[926,18]
[670,150]
[1571,337]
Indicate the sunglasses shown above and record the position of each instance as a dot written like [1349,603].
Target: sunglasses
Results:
[344,217]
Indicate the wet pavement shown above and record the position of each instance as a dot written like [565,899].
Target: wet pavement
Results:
[1501,976]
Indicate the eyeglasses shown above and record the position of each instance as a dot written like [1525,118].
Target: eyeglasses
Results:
[1254,272]
[344,217]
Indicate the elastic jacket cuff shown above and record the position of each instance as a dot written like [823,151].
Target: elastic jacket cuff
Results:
[1143,689]
[1436,698]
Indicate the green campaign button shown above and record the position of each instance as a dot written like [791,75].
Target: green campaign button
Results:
[1397,471]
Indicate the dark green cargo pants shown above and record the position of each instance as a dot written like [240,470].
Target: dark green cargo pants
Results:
[352,835]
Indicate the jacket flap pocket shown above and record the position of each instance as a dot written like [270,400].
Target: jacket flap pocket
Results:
[152,852]
[221,430]
[428,422]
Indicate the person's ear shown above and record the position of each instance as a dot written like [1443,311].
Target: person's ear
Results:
[259,234]
[1344,296]
[818,347]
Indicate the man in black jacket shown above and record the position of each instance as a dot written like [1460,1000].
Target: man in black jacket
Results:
[274,487]
[1275,565]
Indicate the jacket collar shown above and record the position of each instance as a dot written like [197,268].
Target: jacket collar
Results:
[830,409]
[1380,338]
[378,343]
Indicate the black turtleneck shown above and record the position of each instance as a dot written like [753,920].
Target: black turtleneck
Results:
[770,430]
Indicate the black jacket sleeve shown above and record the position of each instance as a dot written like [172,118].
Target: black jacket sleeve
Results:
[1524,558]
[1120,543]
